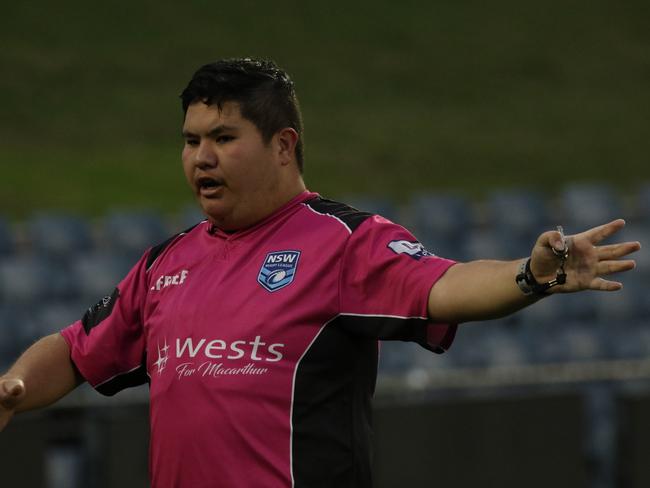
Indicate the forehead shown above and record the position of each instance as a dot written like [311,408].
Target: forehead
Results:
[201,117]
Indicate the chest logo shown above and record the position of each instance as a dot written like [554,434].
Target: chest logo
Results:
[278,270]
[175,280]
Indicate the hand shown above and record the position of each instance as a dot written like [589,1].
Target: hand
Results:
[12,391]
[587,262]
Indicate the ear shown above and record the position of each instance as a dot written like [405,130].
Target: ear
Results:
[287,139]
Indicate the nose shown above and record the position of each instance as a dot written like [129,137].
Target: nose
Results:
[205,156]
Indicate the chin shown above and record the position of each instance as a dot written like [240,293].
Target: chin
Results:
[216,212]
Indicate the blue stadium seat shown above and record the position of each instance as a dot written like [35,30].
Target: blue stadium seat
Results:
[440,222]
[396,357]
[97,274]
[467,350]
[34,279]
[627,305]
[189,217]
[53,317]
[488,344]
[630,340]
[583,341]
[423,360]
[6,238]
[517,214]
[59,235]
[643,203]
[131,233]
[505,345]
[492,243]
[8,343]
[588,205]
[567,342]
[624,318]
[543,313]
[580,307]
[18,330]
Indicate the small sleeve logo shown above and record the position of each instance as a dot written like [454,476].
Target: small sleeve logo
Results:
[410,248]
[278,270]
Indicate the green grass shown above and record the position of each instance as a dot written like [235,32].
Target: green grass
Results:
[398,97]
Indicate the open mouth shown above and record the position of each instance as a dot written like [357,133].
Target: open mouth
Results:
[208,185]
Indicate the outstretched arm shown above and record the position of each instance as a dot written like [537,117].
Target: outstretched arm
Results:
[41,376]
[481,290]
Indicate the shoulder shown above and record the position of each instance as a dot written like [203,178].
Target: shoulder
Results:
[156,251]
[347,216]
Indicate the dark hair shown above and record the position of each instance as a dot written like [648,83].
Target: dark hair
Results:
[265,94]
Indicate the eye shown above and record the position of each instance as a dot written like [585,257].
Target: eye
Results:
[224,138]
[191,142]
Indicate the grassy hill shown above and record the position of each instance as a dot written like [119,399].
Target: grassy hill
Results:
[397,97]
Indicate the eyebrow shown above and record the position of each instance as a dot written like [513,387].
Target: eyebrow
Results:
[221,128]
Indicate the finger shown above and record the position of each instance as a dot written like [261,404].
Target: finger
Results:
[614,251]
[604,268]
[600,284]
[11,392]
[601,232]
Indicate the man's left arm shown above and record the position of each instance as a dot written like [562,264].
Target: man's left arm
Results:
[482,290]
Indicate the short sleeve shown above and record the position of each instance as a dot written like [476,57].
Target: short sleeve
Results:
[108,344]
[385,279]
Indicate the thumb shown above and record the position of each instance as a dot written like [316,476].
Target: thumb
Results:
[553,239]
[11,392]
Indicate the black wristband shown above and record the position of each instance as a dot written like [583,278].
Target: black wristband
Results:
[529,285]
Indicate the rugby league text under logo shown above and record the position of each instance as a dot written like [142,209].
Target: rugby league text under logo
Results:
[278,270]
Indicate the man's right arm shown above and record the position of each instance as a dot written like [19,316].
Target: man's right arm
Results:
[41,376]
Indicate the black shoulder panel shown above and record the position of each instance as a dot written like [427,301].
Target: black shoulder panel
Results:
[100,311]
[157,250]
[350,216]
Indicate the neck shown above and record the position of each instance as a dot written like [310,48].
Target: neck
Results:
[263,206]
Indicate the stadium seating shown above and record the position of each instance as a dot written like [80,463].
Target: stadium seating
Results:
[8,345]
[440,221]
[131,233]
[34,280]
[492,243]
[188,217]
[97,274]
[53,271]
[396,357]
[6,239]
[18,329]
[588,205]
[517,214]
[59,235]
[52,317]
[494,343]
[629,340]
[642,204]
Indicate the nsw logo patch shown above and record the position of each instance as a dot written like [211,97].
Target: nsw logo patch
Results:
[278,270]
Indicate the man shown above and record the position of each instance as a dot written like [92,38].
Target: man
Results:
[257,329]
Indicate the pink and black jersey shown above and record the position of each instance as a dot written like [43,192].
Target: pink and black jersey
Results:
[260,346]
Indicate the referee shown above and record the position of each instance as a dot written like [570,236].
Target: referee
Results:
[257,329]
